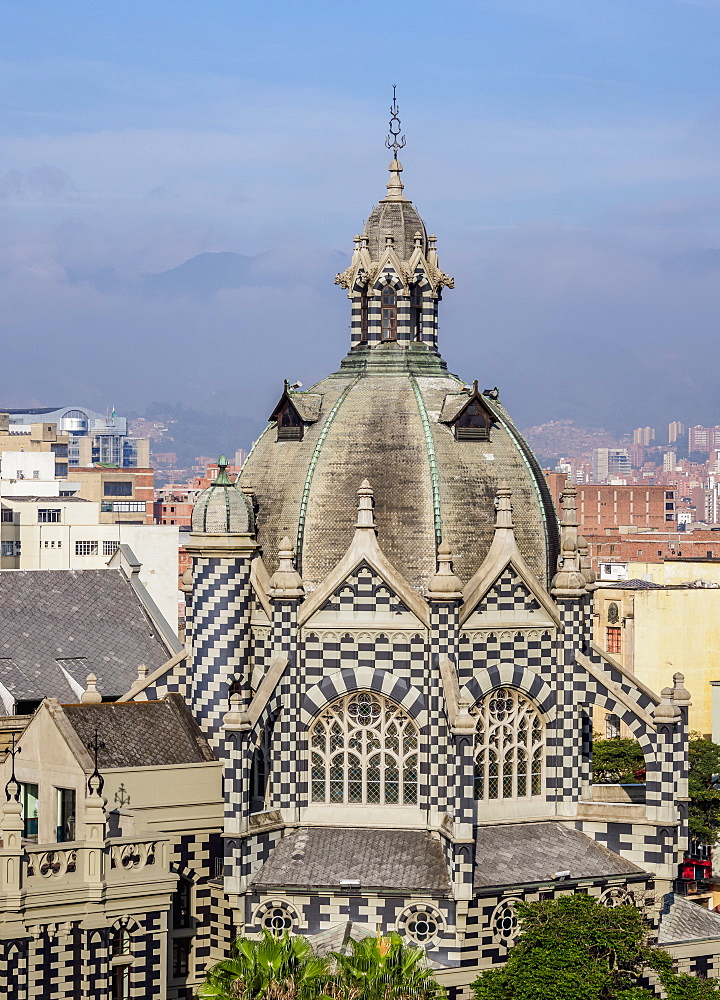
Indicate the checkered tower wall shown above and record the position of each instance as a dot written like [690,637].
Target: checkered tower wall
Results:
[366,309]
[221,607]
[69,961]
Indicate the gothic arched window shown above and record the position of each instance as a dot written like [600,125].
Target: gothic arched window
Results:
[364,750]
[509,747]
[389,313]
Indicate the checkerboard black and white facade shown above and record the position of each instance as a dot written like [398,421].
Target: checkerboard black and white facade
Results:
[390,648]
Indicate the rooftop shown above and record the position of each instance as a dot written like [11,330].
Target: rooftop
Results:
[58,626]
[330,857]
[535,852]
[141,733]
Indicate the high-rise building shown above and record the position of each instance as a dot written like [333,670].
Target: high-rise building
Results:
[675,430]
[644,436]
[92,437]
[609,463]
[669,461]
[703,439]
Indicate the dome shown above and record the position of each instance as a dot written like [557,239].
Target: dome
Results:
[383,416]
[394,216]
[222,508]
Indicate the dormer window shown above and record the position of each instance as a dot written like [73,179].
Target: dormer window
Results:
[473,423]
[289,425]
[389,313]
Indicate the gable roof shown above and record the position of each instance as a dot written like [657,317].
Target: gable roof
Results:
[85,621]
[683,920]
[519,853]
[307,405]
[382,859]
[141,733]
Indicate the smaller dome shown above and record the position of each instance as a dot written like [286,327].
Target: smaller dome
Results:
[222,509]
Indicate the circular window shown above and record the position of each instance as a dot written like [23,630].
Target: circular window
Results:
[617,896]
[504,922]
[277,917]
[422,926]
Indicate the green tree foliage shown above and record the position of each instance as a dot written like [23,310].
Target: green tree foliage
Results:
[704,790]
[273,968]
[618,761]
[574,948]
[285,968]
[384,968]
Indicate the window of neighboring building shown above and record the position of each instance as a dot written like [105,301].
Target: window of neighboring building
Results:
[669,506]
[114,488]
[181,907]
[388,301]
[669,517]
[8,548]
[66,813]
[29,793]
[612,727]
[181,957]
[509,747]
[122,506]
[120,963]
[364,750]
[6,516]
[110,548]
[46,516]
[86,548]
[613,641]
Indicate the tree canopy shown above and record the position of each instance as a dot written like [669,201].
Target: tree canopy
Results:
[574,948]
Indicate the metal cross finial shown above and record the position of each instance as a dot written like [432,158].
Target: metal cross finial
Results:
[13,782]
[395,141]
[96,782]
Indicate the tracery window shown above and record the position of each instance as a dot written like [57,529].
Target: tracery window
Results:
[509,747]
[389,313]
[364,750]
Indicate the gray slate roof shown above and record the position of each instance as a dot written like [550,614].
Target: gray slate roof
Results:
[141,733]
[534,852]
[637,585]
[87,621]
[379,859]
[683,920]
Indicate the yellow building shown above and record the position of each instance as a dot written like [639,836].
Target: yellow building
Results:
[35,438]
[656,628]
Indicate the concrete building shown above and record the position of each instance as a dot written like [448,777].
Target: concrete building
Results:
[652,627]
[644,436]
[35,438]
[38,533]
[92,437]
[675,431]
[608,463]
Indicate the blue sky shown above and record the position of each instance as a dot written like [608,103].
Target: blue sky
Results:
[565,151]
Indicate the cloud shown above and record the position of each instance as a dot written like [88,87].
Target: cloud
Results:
[39,183]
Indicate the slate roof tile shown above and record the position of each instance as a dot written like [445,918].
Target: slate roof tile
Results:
[90,620]
[383,859]
[683,920]
[534,852]
[141,733]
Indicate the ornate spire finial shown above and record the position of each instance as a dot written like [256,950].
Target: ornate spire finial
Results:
[366,504]
[222,478]
[96,782]
[91,695]
[286,581]
[395,140]
[12,788]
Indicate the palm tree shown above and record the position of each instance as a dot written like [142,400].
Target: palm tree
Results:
[272,968]
[383,968]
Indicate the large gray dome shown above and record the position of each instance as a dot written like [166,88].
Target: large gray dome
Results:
[379,417]
[222,508]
